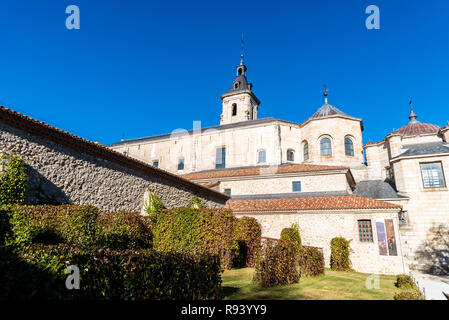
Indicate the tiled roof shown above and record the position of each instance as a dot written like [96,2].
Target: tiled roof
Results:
[416,128]
[254,171]
[291,195]
[310,203]
[420,149]
[376,189]
[35,127]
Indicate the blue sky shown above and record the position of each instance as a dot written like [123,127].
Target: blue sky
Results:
[139,68]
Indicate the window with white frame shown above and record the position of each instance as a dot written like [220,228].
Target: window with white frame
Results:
[432,175]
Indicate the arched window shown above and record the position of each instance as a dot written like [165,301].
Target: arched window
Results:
[326,147]
[234,109]
[261,156]
[305,149]
[290,155]
[349,147]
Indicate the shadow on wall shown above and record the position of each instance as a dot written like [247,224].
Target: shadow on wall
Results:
[433,254]
[42,191]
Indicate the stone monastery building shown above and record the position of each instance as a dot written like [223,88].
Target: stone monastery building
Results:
[393,206]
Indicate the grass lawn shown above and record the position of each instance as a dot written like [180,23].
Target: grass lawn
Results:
[334,285]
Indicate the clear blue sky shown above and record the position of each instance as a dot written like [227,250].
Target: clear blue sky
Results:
[141,68]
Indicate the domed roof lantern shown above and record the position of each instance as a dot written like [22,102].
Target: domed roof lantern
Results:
[412,116]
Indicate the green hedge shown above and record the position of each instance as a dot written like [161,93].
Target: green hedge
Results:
[404,281]
[189,230]
[109,274]
[276,264]
[340,252]
[292,234]
[311,261]
[13,180]
[123,230]
[413,294]
[53,224]
[247,235]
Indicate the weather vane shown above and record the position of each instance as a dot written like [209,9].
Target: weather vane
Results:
[241,53]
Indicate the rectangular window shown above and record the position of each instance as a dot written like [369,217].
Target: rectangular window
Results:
[432,175]
[365,231]
[155,164]
[181,164]
[262,156]
[228,192]
[220,162]
[296,186]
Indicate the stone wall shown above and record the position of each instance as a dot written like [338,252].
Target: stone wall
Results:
[60,174]
[318,229]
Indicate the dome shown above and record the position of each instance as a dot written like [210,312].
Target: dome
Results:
[327,110]
[416,128]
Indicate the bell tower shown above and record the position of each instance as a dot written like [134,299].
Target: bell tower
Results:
[239,103]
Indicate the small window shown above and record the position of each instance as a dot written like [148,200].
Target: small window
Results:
[228,192]
[240,71]
[349,147]
[236,85]
[306,150]
[261,156]
[432,175]
[389,175]
[220,161]
[156,164]
[365,231]
[234,109]
[290,155]
[181,164]
[296,186]
[326,147]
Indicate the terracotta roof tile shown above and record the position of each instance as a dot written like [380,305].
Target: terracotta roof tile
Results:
[253,171]
[413,129]
[310,203]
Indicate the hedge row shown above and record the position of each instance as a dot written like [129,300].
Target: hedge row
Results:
[39,272]
[292,234]
[207,231]
[77,225]
[411,291]
[311,261]
[276,263]
[340,252]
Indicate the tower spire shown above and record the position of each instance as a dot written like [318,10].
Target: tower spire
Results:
[241,52]
[412,116]
[325,93]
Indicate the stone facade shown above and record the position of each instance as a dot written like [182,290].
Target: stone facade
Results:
[318,228]
[61,174]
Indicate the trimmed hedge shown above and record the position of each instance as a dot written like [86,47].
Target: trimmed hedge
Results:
[13,179]
[276,264]
[247,235]
[53,224]
[413,294]
[189,230]
[311,261]
[292,234]
[404,281]
[109,274]
[340,252]
[123,230]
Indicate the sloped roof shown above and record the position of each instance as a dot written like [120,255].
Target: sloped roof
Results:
[35,127]
[350,202]
[419,149]
[375,189]
[416,128]
[327,110]
[260,170]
